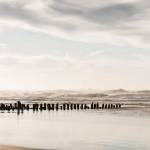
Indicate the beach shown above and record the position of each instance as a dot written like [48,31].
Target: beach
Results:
[71,129]
[2,147]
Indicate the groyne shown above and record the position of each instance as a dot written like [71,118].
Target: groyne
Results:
[20,107]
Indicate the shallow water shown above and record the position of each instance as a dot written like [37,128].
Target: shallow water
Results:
[78,130]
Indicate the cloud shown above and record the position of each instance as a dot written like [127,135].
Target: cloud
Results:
[108,15]
[114,21]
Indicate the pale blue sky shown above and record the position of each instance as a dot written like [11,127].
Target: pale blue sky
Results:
[74,45]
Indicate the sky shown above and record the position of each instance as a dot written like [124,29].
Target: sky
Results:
[68,44]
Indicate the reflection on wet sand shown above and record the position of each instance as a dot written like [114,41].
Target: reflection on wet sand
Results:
[116,129]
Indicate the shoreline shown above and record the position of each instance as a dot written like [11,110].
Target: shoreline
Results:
[6,147]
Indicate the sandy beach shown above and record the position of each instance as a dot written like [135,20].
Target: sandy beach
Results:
[2,147]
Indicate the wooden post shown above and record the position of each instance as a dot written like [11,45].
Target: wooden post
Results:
[57,106]
[75,107]
[71,106]
[82,106]
[92,107]
[67,106]
[64,106]
[78,106]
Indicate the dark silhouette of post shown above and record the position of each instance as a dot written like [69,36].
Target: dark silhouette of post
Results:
[57,106]
[71,106]
[27,107]
[78,106]
[97,105]
[53,106]
[116,106]
[82,106]
[67,106]
[85,106]
[41,107]
[19,105]
[48,106]
[75,106]
[108,106]
[92,105]
[119,106]
[44,107]
[64,106]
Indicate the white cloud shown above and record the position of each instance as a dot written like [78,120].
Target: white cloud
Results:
[117,22]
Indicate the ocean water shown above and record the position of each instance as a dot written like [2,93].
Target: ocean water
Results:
[127,129]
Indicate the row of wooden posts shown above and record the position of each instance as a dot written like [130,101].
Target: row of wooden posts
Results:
[63,106]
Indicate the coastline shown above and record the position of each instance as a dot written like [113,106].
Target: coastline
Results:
[6,147]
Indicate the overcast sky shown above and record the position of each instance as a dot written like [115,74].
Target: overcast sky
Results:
[68,44]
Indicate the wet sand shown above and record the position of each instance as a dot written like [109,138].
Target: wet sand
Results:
[2,147]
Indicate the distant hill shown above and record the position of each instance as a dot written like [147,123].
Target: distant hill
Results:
[117,91]
[73,94]
[144,91]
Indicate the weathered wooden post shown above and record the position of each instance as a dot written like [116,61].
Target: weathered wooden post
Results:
[116,106]
[109,106]
[48,106]
[19,105]
[113,106]
[92,105]
[67,105]
[27,107]
[119,106]
[44,107]
[33,107]
[75,107]
[71,106]
[64,106]
[41,107]
[7,107]
[57,106]
[78,106]
[85,106]
[103,106]
[13,107]
[82,106]
[53,106]
[37,107]
[97,105]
